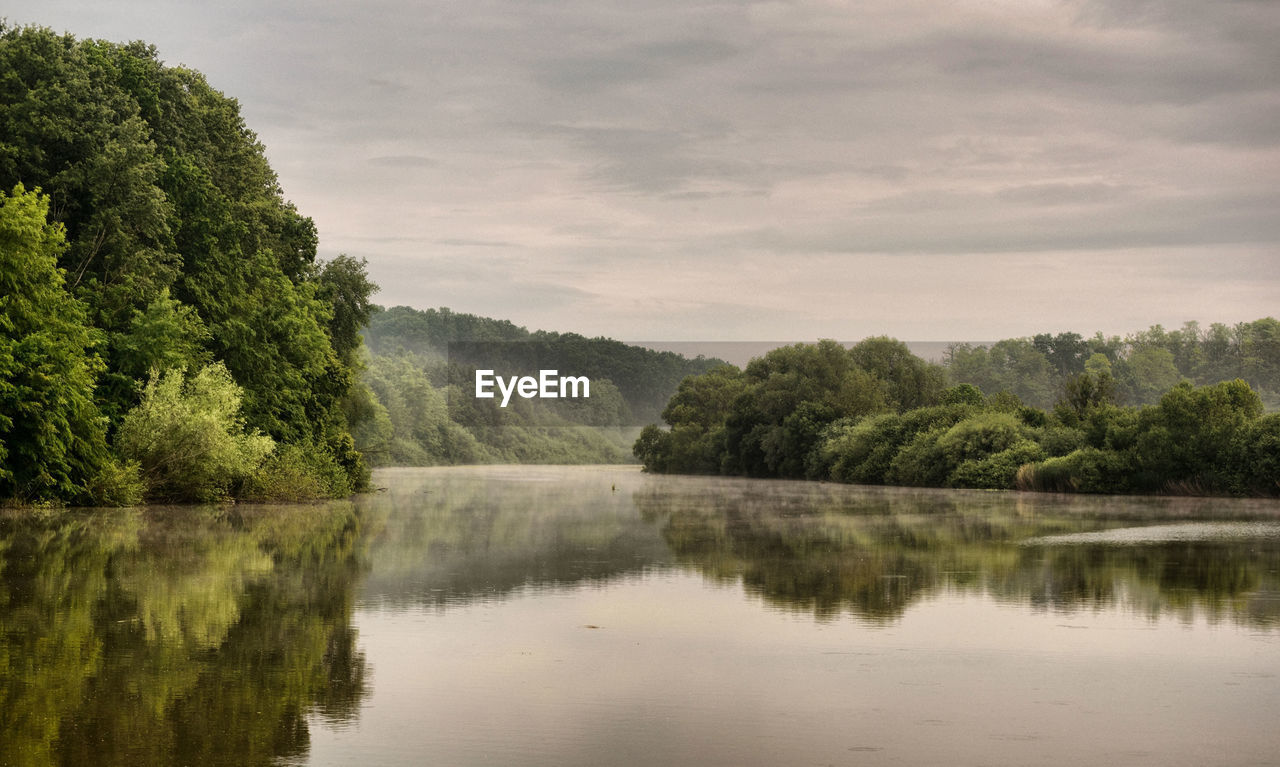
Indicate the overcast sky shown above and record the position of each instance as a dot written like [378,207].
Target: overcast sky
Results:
[692,170]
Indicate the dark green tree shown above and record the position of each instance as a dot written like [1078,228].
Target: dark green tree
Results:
[1193,436]
[910,382]
[68,127]
[1086,391]
[1066,352]
[345,287]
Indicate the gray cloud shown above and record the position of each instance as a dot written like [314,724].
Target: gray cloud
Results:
[403,161]
[783,169]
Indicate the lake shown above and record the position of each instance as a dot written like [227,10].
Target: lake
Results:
[600,616]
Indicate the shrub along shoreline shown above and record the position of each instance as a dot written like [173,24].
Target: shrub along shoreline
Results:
[818,411]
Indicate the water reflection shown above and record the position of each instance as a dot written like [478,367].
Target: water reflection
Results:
[226,635]
[875,551]
[585,616]
[175,635]
[473,533]
[462,535]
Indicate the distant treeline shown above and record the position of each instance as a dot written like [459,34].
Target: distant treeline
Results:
[166,330]
[877,414]
[1143,365]
[421,408]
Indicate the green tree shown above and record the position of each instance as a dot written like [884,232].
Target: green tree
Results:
[1260,353]
[1220,356]
[1193,436]
[344,285]
[1090,389]
[1013,365]
[180,241]
[758,439]
[68,127]
[909,381]
[1146,374]
[166,334]
[1066,352]
[52,436]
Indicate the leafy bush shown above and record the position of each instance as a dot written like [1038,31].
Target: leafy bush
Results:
[1087,470]
[922,462]
[1060,440]
[1111,428]
[998,470]
[862,451]
[188,436]
[119,483]
[982,435]
[963,394]
[1258,457]
[296,473]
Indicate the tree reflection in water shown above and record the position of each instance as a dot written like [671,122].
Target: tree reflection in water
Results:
[216,635]
[176,635]
[874,551]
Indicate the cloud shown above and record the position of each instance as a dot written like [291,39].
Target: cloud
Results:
[403,161]
[609,67]
[818,168]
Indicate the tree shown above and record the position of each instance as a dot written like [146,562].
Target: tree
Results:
[1013,365]
[910,382]
[1066,352]
[705,400]
[345,286]
[823,378]
[1147,373]
[68,127]
[1193,435]
[1091,389]
[180,241]
[166,334]
[1260,350]
[52,436]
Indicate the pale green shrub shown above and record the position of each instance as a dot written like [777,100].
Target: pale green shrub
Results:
[188,436]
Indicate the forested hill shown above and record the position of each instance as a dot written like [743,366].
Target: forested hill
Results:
[429,332]
[420,373]
[645,378]
[159,292]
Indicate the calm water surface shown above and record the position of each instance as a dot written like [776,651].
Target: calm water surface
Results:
[599,616]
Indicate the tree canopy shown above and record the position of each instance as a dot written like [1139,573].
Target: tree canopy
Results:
[180,247]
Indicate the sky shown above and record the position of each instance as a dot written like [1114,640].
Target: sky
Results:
[679,170]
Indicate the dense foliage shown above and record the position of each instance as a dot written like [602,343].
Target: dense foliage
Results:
[419,407]
[52,438]
[875,414]
[180,250]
